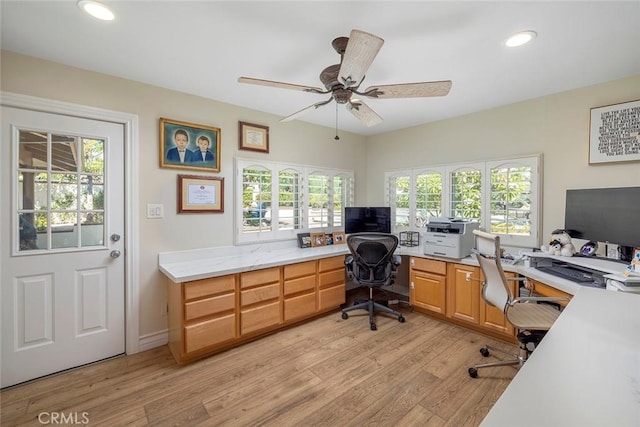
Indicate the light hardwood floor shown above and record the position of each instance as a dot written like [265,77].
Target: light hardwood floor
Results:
[328,372]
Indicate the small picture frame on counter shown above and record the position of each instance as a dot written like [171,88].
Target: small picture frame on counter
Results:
[304,240]
[318,239]
[339,238]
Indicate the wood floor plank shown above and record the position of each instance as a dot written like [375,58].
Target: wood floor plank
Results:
[327,372]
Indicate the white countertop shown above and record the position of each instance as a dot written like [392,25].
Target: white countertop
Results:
[585,372]
[183,266]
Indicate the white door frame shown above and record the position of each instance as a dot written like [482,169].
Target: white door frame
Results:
[132,261]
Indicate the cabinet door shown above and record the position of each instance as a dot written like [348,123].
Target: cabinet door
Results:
[428,291]
[540,289]
[463,293]
[493,317]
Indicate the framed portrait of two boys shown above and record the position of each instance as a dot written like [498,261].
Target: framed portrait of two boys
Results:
[191,146]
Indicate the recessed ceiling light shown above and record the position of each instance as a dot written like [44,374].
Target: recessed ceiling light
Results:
[96,9]
[518,39]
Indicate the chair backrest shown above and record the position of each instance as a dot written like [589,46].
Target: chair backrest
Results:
[495,289]
[372,255]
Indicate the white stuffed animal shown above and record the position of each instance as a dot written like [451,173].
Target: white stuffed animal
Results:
[565,240]
[560,244]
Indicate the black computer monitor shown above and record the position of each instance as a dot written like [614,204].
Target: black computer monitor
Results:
[367,219]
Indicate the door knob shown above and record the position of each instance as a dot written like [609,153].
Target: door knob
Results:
[115,237]
[115,253]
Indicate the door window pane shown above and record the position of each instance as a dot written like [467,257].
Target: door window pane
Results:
[54,198]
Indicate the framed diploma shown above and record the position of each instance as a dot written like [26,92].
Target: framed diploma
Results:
[200,194]
[253,137]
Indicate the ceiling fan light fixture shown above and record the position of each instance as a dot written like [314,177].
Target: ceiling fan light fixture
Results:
[96,9]
[520,38]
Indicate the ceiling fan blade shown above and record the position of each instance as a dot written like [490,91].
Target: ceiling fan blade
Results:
[363,112]
[306,110]
[280,85]
[362,49]
[409,90]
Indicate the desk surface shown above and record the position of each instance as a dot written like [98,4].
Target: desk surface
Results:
[586,371]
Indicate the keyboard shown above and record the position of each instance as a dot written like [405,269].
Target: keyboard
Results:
[569,274]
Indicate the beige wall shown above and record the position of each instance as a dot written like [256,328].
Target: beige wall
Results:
[294,142]
[556,126]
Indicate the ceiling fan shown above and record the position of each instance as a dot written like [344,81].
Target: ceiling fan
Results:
[343,80]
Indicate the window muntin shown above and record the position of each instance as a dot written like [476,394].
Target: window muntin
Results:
[289,200]
[510,209]
[428,198]
[256,200]
[60,187]
[502,195]
[318,212]
[466,194]
[302,199]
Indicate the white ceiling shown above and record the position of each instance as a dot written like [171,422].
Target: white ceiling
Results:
[202,47]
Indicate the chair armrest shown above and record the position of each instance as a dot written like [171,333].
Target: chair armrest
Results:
[348,263]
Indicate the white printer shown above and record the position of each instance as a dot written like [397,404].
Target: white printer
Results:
[449,237]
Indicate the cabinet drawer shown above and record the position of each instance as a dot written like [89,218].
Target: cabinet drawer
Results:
[211,305]
[430,265]
[209,332]
[294,286]
[331,277]
[300,269]
[212,286]
[332,263]
[259,277]
[331,297]
[259,294]
[261,317]
[300,306]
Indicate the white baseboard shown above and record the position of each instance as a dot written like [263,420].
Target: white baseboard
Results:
[156,339]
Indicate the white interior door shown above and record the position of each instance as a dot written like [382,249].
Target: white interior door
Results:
[62,227]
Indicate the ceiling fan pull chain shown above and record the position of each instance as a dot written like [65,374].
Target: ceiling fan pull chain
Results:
[337,138]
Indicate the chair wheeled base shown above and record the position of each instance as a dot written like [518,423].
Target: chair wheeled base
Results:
[528,340]
[371,306]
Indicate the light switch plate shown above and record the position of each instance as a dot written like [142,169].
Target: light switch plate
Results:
[155,211]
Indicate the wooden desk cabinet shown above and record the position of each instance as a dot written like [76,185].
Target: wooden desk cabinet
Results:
[541,289]
[210,315]
[428,285]
[463,293]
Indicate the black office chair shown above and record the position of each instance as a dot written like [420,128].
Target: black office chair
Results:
[532,316]
[372,264]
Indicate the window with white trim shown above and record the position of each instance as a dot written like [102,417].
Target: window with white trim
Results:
[275,201]
[503,195]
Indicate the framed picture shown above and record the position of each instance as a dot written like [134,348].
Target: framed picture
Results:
[318,239]
[253,137]
[339,238]
[304,240]
[614,134]
[200,194]
[189,146]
